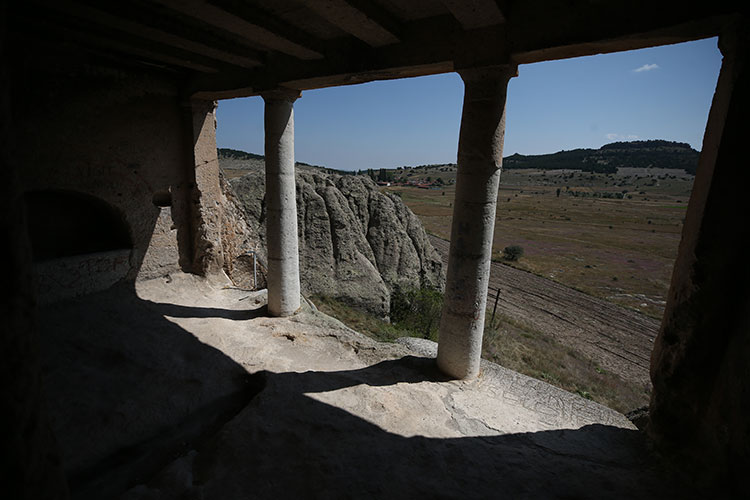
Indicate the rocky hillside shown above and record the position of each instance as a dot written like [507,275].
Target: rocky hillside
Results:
[641,154]
[356,243]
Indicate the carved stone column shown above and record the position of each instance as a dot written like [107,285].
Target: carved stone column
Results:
[281,203]
[206,190]
[480,153]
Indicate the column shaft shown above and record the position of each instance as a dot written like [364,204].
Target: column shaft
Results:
[480,152]
[208,256]
[281,204]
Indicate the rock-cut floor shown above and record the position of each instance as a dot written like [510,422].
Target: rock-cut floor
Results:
[185,388]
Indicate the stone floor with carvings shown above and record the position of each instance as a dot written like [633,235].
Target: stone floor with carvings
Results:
[184,388]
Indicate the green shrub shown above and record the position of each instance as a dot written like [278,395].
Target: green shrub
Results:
[512,253]
[417,310]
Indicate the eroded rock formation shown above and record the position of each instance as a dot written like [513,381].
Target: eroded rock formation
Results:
[239,240]
[355,242]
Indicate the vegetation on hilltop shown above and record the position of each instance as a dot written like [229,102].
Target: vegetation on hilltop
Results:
[254,160]
[236,154]
[610,157]
[657,154]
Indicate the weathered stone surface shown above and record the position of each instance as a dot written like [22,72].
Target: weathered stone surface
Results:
[206,190]
[239,241]
[340,415]
[699,365]
[480,155]
[185,388]
[118,139]
[68,277]
[163,252]
[282,252]
[355,243]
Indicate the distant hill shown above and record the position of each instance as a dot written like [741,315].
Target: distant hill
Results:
[235,154]
[235,159]
[641,154]
[607,159]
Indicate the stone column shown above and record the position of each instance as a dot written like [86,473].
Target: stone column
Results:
[480,153]
[206,191]
[281,203]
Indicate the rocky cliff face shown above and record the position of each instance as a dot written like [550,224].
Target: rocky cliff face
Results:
[356,243]
[239,240]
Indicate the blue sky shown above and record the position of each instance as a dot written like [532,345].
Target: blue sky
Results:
[656,93]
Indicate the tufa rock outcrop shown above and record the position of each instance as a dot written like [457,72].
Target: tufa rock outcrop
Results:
[356,243]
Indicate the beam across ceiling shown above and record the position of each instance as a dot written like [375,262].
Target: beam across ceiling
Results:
[560,32]
[441,44]
[137,51]
[474,14]
[250,29]
[256,15]
[161,35]
[420,53]
[364,19]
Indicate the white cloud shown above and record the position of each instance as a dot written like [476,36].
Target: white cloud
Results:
[646,67]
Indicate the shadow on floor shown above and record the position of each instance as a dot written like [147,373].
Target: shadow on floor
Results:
[130,392]
[128,389]
[178,311]
[287,444]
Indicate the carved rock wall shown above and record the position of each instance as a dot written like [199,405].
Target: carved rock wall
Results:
[119,137]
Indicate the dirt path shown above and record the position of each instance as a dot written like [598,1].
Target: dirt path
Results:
[617,339]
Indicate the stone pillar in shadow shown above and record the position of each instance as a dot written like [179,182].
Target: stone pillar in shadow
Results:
[206,194]
[700,365]
[480,153]
[281,203]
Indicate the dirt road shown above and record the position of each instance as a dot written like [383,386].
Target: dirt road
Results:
[619,340]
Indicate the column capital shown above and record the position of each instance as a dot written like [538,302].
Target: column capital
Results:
[497,71]
[281,94]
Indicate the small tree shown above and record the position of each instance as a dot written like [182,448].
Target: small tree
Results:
[512,253]
[417,310]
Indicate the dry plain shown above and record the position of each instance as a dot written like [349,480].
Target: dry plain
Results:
[601,241]
[618,249]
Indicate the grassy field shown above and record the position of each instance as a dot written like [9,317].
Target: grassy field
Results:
[532,353]
[618,249]
[519,348]
[357,320]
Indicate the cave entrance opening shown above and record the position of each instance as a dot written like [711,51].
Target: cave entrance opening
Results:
[621,249]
